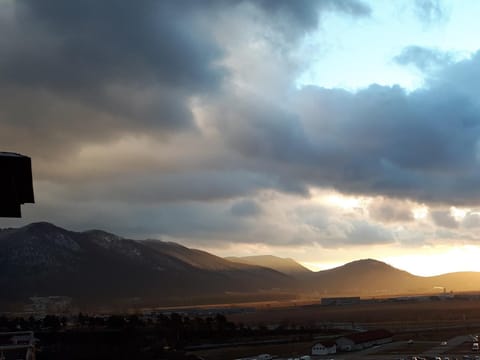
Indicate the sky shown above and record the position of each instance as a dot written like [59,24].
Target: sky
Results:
[325,131]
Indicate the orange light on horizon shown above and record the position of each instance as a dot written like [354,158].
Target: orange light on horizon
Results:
[424,263]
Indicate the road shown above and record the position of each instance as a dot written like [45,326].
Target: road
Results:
[387,351]
[451,344]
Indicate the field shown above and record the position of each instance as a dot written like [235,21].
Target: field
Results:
[426,323]
[393,316]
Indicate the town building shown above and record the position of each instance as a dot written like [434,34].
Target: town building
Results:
[324,348]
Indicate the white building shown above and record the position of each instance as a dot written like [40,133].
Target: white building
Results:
[324,348]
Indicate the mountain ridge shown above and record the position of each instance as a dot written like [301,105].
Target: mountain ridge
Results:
[44,259]
[96,267]
[286,265]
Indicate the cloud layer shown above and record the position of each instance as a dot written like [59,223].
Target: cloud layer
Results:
[182,119]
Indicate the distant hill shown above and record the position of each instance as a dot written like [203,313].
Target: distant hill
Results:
[370,277]
[95,267]
[284,265]
[366,277]
[197,258]
[235,277]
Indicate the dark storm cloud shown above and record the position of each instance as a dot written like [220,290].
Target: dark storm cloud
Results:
[157,187]
[423,58]
[364,233]
[193,220]
[203,221]
[103,69]
[380,140]
[94,43]
[90,70]
[423,145]
[87,72]
[91,43]
[263,130]
[304,13]
[45,123]
[245,208]
[443,218]
[171,187]
[388,210]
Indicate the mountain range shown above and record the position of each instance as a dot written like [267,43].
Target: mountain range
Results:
[95,267]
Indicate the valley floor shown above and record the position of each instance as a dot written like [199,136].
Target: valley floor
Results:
[428,324]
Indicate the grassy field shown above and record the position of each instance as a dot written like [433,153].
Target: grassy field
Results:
[394,316]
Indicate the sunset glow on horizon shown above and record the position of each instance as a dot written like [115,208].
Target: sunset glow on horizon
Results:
[427,263]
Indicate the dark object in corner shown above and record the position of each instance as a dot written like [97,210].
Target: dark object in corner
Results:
[16,184]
